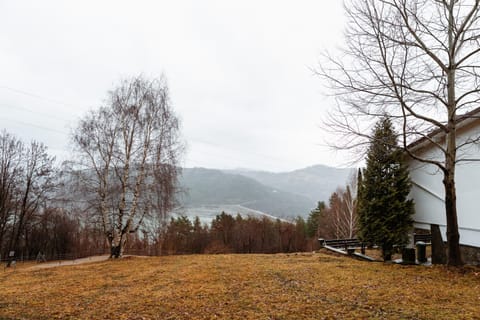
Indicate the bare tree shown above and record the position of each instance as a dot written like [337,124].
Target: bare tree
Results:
[343,211]
[417,61]
[128,152]
[36,181]
[27,176]
[350,211]
[10,169]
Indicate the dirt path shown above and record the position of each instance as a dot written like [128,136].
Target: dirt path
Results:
[69,262]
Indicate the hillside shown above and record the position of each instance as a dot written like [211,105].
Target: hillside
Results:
[279,286]
[316,182]
[209,187]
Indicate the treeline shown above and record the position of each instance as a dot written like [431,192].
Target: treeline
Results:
[57,233]
[227,234]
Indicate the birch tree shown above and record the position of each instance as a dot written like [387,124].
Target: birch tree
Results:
[343,211]
[128,152]
[416,60]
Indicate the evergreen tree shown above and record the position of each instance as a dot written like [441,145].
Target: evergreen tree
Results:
[314,219]
[385,213]
[199,236]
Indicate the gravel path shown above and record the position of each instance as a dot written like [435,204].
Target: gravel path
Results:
[69,262]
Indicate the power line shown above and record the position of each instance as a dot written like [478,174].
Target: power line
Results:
[33,95]
[34,112]
[29,124]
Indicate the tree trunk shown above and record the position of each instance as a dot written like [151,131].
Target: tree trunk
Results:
[115,251]
[438,247]
[117,246]
[387,252]
[454,257]
[453,237]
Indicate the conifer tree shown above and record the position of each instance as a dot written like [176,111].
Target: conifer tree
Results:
[385,212]
[313,220]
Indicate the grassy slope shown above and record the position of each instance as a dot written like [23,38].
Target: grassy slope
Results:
[303,286]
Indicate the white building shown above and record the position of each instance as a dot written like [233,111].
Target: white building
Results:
[428,191]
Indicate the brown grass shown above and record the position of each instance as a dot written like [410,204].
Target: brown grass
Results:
[295,286]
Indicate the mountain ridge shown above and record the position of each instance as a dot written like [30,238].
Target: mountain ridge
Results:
[317,182]
[214,187]
[282,194]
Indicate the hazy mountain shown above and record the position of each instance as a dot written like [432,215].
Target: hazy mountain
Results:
[316,182]
[208,187]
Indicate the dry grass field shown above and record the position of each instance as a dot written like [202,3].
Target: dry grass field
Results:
[282,286]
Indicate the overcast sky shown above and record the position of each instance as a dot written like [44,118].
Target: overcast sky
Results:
[238,72]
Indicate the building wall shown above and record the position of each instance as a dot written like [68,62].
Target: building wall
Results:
[428,194]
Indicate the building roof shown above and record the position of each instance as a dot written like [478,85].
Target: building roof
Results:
[461,121]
